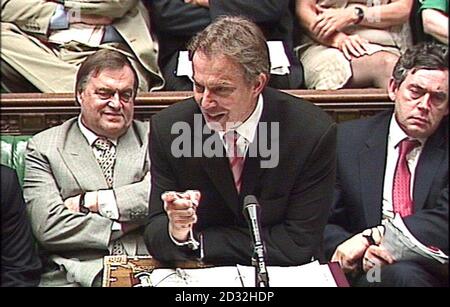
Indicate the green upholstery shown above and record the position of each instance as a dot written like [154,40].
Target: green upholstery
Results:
[13,153]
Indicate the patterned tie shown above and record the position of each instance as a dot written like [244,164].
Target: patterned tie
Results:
[235,157]
[401,190]
[106,159]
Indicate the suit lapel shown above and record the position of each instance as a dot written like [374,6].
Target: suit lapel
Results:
[80,160]
[218,169]
[219,172]
[372,161]
[429,163]
[128,156]
[252,168]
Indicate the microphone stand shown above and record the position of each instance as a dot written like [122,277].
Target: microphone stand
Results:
[258,261]
[259,257]
[251,212]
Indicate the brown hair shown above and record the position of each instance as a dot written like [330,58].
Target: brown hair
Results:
[99,61]
[239,39]
[421,56]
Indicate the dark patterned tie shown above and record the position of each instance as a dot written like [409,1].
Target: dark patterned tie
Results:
[401,188]
[106,159]
[235,157]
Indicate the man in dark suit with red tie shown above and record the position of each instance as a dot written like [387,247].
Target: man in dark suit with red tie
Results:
[395,163]
[235,138]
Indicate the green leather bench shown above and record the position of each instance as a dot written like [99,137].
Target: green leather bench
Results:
[13,153]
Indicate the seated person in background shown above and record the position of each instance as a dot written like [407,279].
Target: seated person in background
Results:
[44,42]
[395,163]
[20,264]
[175,22]
[432,21]
[255,141]
[87,181]
[349,43]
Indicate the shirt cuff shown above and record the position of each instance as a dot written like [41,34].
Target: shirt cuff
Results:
[116,226]
[107,205]
[60,19]
[192,243]
[116,231]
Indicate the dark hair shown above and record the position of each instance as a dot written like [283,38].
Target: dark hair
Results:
[99,61]
[421,56]
[237,38]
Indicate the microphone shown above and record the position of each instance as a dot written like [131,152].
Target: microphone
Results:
[251,212]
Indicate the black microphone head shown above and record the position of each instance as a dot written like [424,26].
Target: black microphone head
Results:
[250,200]
[251,206]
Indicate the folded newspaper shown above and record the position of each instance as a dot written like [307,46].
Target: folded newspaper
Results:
[402,245]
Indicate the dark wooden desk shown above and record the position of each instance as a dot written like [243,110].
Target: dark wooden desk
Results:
[29,113]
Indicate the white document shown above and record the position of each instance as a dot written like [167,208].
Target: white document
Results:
[279,63]
[227,276]
[79,32]
[184,67]
[309,275]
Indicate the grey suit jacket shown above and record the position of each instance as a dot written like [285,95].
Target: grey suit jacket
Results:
[60,164]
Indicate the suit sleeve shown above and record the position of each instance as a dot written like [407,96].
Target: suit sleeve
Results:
[175,16]
[132,200]
[110,8]
[156,234]
[32,16]
[20,265]
[259,11]
[334,233]
[54,226]
[430,226]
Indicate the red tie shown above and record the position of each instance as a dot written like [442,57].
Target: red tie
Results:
[236,158]
[401,190]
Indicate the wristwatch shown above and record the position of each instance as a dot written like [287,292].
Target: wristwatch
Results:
[359,12]
[83,209]
[367,234]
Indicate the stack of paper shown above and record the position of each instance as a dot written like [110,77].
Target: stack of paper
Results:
[309,275]
[279,62]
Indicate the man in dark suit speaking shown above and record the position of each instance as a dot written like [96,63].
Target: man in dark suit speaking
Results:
[234,138]
[395,163]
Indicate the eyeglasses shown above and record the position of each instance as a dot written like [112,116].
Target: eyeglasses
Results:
[124,96]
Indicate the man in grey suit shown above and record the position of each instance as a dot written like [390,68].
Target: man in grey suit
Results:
[59,35]
[86,201]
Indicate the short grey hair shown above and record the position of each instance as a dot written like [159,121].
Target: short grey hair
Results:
[237,38]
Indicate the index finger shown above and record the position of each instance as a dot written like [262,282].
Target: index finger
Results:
[381,253]
[170,196]
[319,8]
[194,196]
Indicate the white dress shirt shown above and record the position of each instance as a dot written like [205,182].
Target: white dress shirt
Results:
[396,135]
[246,130]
